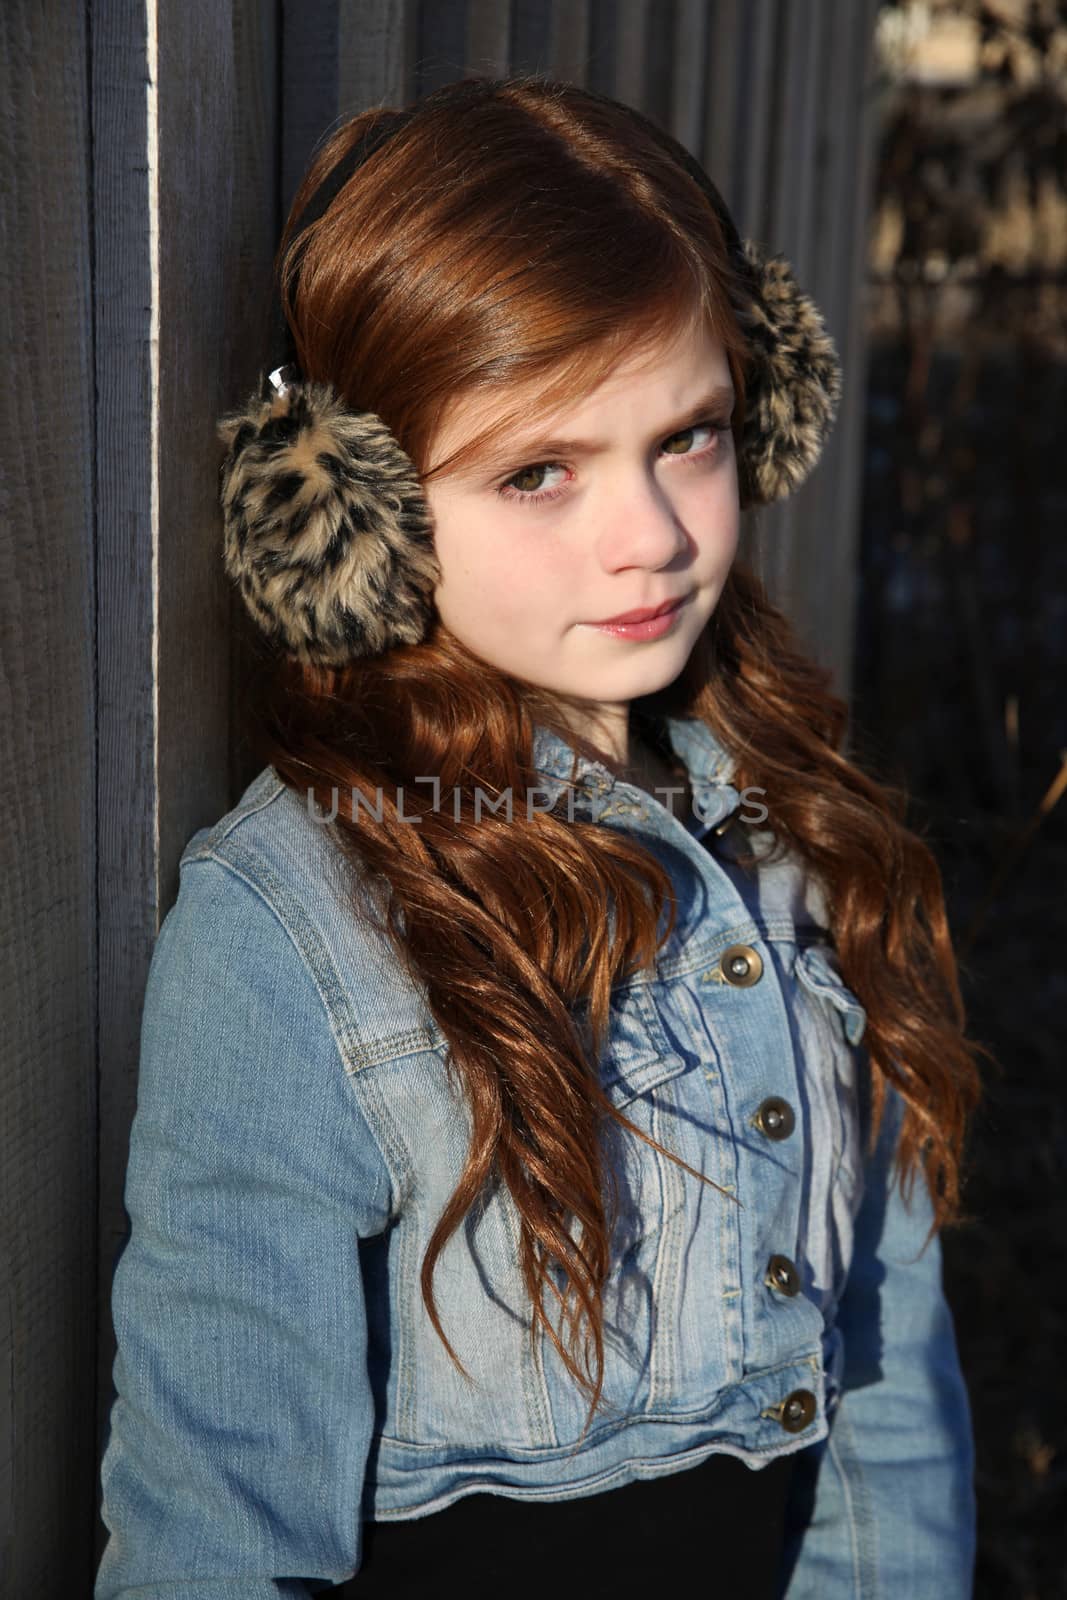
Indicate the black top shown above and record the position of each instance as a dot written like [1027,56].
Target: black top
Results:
[719,1521]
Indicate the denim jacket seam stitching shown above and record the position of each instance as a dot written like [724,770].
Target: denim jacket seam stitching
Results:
[333,1023]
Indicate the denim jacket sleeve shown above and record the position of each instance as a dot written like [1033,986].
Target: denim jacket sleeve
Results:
[243,1410]
[885,1506]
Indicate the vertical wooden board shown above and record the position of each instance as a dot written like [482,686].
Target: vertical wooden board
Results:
[531,36]
[806,195]
[754,43]
[123,91]
[199,238]
[851,191]
[254,171]
[309,109]
[689,76]
[813,537]
[376,47]
[783,193]
[487,50]
[630,69]
[723,95]
[661,57]
[569,39]
[442,45]
[809,573]
[603,28]
[734,143]
[47,857]
[255,145]
[185,198]
[803,84]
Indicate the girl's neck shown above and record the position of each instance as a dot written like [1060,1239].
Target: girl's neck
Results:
[648,770]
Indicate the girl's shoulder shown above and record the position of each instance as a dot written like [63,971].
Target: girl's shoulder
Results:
[281,846]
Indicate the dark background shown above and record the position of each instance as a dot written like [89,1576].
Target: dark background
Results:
[960,649]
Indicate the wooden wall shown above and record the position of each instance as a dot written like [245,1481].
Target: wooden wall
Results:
[48,851]
[150,153]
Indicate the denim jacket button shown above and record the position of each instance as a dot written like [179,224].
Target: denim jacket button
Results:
[775,1118]
[782,1275]
[797,1411]
[741,965]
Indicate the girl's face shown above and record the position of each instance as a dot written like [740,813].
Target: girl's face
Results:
[629,499]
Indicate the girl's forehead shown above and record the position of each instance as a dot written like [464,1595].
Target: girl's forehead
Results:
[484,421]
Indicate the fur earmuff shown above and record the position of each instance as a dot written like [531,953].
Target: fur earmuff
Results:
[794,382]
[326,530]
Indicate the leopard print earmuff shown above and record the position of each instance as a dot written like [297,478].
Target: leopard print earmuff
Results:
[326,530]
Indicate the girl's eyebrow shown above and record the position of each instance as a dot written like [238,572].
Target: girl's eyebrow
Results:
[716,402]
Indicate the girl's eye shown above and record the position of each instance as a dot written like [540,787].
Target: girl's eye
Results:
[523,488]
[687,433]
[525,493]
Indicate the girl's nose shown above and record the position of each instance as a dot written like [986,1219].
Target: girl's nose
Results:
[641,530]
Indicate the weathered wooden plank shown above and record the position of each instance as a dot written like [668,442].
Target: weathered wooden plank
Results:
[255,141]
[797,177]
[788,137]
[183,250]
[124,93]
[849,160]
[603,27]
[785,201]
[808,544]
[723,92]
[755,62]
[310,64]
[48,782]
[442,47]
[377,42]
[488,43]
[531,36]
[685,118]
[570,28]
[630,77]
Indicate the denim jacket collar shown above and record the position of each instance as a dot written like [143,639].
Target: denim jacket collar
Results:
[709,765]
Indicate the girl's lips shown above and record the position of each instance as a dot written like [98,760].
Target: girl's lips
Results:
[650,628]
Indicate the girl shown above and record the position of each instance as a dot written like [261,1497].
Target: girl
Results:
[553,1073]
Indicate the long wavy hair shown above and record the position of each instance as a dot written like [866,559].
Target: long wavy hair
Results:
[537,236]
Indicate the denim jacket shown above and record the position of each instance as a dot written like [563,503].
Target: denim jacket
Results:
[296,1137]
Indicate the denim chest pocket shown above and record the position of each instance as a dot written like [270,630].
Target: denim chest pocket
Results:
[638,1054]
[840,1022]
[816,967]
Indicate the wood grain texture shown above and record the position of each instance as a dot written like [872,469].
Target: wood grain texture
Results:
[442,43]
[569,39]
[688,74]
[256,146]
[123,85]
[183,253]
[487,49]
[812,204]
[48,956]
[309,107]
[633,19]
[376,45]
[531,37]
